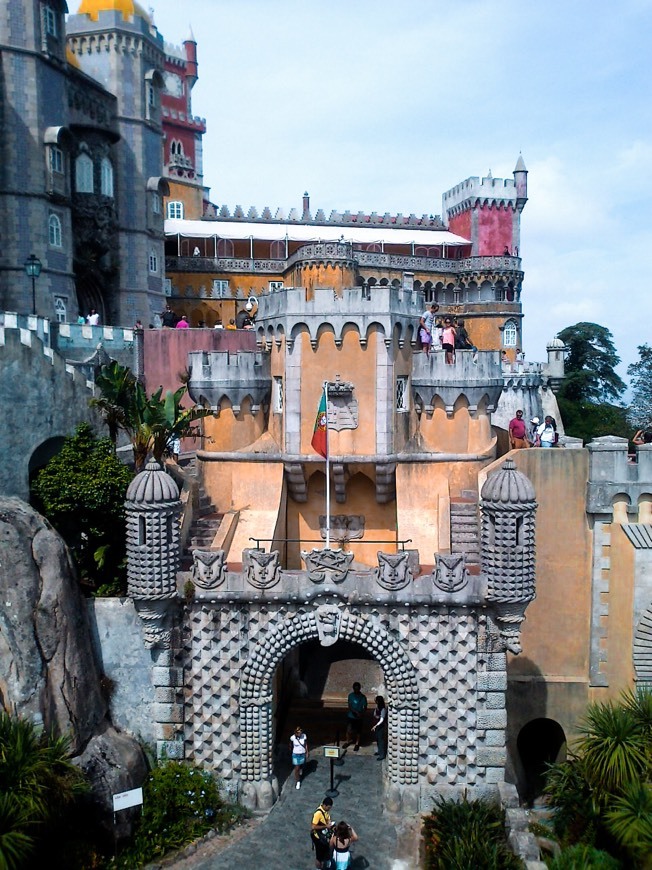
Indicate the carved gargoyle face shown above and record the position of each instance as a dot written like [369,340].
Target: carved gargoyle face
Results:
[328,618]
[393,571]
[208,568]
[450,573]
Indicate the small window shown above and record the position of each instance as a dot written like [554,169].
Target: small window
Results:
[402,394]
[167,286]
[54,231]
[220,288]
[56,159]
[60,308]
[84,174]
[107,177]
[175,211]
[142,532]
[275,285]
[278,395]
[156,203]
[153,263]
[510,334]
[151,95]
[50,21]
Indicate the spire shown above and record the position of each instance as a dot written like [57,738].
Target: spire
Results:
[191,35]
[520,164]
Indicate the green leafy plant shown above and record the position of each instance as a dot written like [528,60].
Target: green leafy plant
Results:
[581,857]
[463,834]
[82,492]
[629,819]
[38,783]
[180,804]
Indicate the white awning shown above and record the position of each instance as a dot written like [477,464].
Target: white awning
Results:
[296,232]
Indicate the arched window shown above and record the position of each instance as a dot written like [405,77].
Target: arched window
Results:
[84,174]
[510,334]
[224,248]
[175,210]
[54,231]
[107,177]
[277,250]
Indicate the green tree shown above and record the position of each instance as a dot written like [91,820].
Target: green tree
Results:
[82,492]
[149,421]
[590,365]
[640,410]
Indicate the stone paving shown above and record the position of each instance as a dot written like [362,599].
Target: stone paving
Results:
[281,840]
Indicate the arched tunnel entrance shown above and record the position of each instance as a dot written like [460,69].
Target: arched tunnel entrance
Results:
[541,742]
[311,687]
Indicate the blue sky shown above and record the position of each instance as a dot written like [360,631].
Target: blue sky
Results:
[382,105]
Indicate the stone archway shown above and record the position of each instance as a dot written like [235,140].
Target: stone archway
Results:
[256,693]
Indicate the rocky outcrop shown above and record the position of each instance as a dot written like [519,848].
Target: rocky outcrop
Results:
[48,671]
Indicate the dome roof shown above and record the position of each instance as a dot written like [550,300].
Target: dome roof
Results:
[152,486]
[555,343]
[129,9]
[508,486]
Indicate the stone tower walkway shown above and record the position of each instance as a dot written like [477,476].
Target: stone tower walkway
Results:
[281,841]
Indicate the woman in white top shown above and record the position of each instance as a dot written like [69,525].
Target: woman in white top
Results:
[299,750]
[547,432]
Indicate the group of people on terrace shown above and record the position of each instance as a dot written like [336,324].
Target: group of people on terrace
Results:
[244,319]
[443,333]
[538,435]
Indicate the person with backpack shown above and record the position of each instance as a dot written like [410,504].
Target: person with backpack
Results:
[320,834]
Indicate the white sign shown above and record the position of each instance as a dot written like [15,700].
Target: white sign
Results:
[332,751]
[127,799]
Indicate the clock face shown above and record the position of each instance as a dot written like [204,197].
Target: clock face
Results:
[173,84]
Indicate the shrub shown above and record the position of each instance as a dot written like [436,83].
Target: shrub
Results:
[81,491]
[180,804]
[581,856]
[463,834]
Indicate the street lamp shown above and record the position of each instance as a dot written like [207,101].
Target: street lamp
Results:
[33,270]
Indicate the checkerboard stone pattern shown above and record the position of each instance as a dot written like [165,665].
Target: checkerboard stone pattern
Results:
[445,692]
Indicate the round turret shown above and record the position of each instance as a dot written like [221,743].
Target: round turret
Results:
[555,368]
[555,344]
[508,508]
[152,510]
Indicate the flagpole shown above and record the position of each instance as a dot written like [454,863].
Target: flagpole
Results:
[328,476]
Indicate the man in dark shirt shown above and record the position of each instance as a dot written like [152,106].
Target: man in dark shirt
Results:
[168,318]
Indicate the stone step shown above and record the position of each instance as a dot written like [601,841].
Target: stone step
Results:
[463,538]
[463,508]
[465,520]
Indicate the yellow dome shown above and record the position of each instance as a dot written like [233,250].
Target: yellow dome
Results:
[129,9]
[71,59]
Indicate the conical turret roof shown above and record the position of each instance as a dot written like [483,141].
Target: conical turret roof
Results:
[152,486]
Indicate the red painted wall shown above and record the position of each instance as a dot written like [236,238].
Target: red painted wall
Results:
[460,224]
[166,352]
[494,230]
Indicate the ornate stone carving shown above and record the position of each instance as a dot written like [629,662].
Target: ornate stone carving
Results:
[343,527]
[261,569]
[155,617]
[450,574]
[327,564]
[342,407]
[328,618]
[208,568]
[393,571]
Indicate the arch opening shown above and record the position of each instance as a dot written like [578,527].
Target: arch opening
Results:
[541,742]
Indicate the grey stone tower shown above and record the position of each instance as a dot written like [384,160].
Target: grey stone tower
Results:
[508,548]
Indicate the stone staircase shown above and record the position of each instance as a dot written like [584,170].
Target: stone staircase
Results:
[465,526]
[205,523]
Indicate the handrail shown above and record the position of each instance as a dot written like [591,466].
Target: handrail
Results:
[401,542]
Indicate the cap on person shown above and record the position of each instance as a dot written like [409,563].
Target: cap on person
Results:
[535,420]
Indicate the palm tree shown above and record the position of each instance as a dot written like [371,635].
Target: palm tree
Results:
[613,748]
[117,384]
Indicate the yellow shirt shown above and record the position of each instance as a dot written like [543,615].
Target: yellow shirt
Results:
[320,816]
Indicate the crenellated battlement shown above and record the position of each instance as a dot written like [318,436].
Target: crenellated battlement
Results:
[219,375]
[497,192]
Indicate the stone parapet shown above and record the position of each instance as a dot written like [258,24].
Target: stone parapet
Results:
[221,375]
[612,478]
[476,376]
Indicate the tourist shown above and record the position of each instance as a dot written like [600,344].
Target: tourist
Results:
[448,341]
[174,447]
[138,325]
[643,436]
[168,318]
[518,432]
[320,833]
[462,337]
[93,319]
[506,251]
[547,432]
[357,705]
[218,325]
[533,437]
[437,334]
[299,750]
[426,324]
[231,324]
[243,319]
[183,323]
[81,320]
[340,843]
[380,727]
[196,252]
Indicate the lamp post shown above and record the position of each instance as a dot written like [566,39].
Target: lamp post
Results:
[33,270]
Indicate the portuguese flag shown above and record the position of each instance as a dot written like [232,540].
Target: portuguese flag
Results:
[319,441]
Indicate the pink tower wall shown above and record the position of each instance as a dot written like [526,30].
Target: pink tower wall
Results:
[495,230]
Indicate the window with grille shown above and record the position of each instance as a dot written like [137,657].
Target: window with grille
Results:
[156,203]
[107,177]
[54,231]
[278,395]
[275,285]
[220,288]
[510,334]
[84,174]
[60,309]
[50,21]
[56,159]
[402,394]
[153,262]
[175,210]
